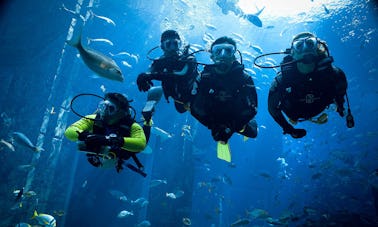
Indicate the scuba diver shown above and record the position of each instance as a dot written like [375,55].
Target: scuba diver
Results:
[307,84]
[176,69]
[111,135]
[226,100]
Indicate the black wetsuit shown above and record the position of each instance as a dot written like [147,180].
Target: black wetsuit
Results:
[179,87]
[303,96]
[225,99]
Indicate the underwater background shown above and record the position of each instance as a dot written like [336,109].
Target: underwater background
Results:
[319,180]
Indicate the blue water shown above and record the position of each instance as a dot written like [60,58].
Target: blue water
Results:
[325,173]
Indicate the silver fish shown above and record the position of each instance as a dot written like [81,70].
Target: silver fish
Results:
[99,63]
[108,20]
[23,140]
[254,18]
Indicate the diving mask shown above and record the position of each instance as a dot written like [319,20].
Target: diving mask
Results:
[305,45]
[223,52]
[107,108]
[171,45]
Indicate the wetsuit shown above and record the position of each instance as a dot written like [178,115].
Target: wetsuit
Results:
[179,87]
[133,135]
[303,96]
[225,100]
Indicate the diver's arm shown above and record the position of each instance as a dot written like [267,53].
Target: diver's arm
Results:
[274,100]
[84,124]
[341,85]
[251,91]
[137,140]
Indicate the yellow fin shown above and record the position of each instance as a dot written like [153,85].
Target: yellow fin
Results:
[223,152]
[245,138]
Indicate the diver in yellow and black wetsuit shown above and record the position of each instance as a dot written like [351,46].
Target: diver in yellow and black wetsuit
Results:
[111,135]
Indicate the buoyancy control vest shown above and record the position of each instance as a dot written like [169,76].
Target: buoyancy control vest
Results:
[306,95]
[179,87]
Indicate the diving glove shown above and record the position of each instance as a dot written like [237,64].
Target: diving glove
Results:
[296,133]
[96,140]
[144,82]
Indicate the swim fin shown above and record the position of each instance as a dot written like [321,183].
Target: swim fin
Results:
[153,97]
[223,151]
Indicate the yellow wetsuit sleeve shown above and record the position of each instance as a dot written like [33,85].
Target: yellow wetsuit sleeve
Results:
[84,124]
[137,140]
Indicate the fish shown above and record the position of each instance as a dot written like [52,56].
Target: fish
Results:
[141,202]
[186,221]
[170,195]
[23,224]
[254,18]
[44,219]
[154,183]
[108,20]
[144,223]
[326,10]
[118,195]
[25,167]
[89,40]
[7,144]
[211,27]
[257,49]
[30,193]
[160,132]
[125,213]
[175,195]
[99,63]
[23,140]
[241,222]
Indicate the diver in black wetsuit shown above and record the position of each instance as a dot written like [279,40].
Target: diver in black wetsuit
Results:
[176,69]
[307,84]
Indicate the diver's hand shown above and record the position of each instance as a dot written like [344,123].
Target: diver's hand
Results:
[296,133]
[96,140]
[115,140]
[144,82]
[83,135]
[221,133]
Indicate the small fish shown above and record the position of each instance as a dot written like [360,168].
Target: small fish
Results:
[211,27]
[44,219]
[21,139]
[7,144]
[186,221]
[23,224]
[326,10]
[254,18]
[160,132]
[257,49]
[154,183]
[241,222]
[108,20]
[52,111]
[25,167]
[99,63]
[140,202]
[118,195]
[170,195]
[144,223]
[59,213]
[30,193]
[125,213]
[89,40]
[84,184]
